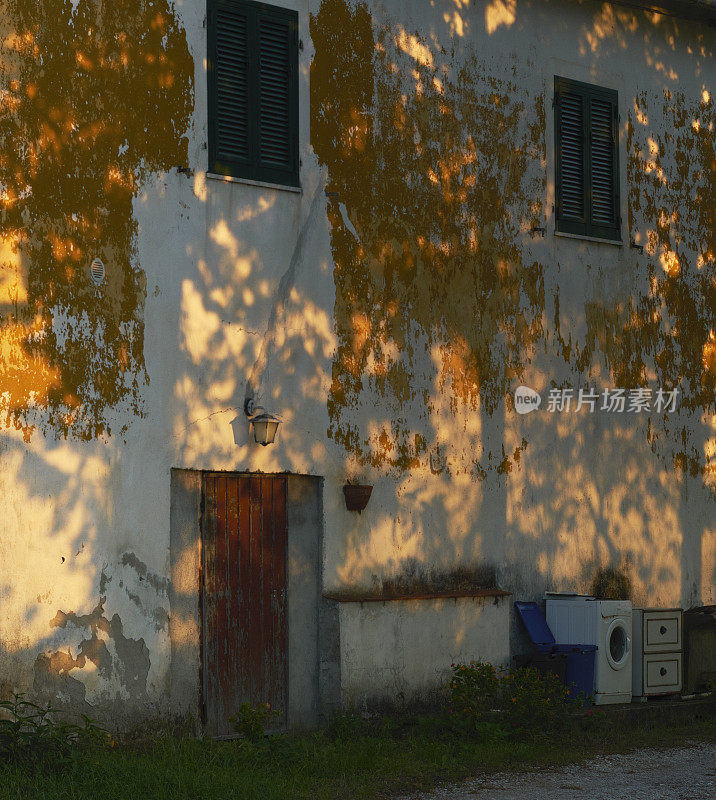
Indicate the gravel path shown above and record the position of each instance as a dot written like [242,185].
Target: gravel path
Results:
[684,773]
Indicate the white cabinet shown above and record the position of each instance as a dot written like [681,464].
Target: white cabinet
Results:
[662,673]
[658,646]
[662,631]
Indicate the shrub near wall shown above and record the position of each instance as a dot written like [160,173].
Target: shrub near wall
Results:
[518,702]
[37,737]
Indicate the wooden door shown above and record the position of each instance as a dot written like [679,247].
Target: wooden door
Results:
[243,596]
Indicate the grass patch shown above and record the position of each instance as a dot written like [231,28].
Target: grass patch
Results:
[352,760]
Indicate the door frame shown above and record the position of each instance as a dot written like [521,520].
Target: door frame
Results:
[312,649]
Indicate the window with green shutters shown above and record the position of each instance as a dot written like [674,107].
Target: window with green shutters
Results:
[587,160]
[253,91]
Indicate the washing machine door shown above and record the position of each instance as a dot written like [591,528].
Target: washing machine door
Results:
[618,644]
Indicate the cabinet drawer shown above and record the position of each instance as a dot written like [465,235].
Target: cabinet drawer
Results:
[662,673]
[662,631]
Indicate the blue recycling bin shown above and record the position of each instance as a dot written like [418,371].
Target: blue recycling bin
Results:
[579,675]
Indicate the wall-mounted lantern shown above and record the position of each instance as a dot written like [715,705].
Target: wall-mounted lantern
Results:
[265,425]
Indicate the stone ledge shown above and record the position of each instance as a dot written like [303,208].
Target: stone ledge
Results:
[367,597]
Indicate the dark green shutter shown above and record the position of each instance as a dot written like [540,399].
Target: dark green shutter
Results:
[253,91]
[274,105]
[232,89]
[586,156]
[601,158]
[571,156]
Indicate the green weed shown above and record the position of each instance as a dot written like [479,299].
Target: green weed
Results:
[32,736]
[252,721]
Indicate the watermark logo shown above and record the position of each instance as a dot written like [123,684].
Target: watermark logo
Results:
[610,401]
[526,400]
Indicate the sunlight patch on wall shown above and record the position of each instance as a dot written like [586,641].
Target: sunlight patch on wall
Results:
[410,44]
[499,13]
[45,569]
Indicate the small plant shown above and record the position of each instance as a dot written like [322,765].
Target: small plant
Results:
[533,700]
[33,736]
[581,700]
[473,689]
[252,720]
[493,705]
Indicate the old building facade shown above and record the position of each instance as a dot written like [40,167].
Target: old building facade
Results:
[407,260]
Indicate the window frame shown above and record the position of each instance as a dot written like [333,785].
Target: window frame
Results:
[586,226]
[252,169]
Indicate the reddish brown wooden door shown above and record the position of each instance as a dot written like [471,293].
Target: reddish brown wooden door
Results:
[243,596]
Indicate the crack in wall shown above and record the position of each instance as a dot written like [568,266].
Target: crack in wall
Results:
[286,283]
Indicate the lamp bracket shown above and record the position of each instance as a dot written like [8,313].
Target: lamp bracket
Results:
[249,407]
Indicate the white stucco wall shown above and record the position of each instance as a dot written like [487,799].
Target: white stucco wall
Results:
[401,650]
[241,291]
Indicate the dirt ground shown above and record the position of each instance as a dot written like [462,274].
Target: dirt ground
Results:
[684,773]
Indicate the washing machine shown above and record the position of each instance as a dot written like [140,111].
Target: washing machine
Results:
[608,625]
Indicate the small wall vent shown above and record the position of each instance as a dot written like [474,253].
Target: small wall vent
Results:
[97,272]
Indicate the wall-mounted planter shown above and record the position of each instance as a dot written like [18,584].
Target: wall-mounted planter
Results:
[357,496]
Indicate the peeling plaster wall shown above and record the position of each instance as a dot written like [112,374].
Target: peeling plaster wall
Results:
[387,322]
[435,125]
[94,98]
[96,101]
[217,286]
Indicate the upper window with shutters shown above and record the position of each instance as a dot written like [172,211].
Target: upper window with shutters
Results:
[587,160]
[253,91]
